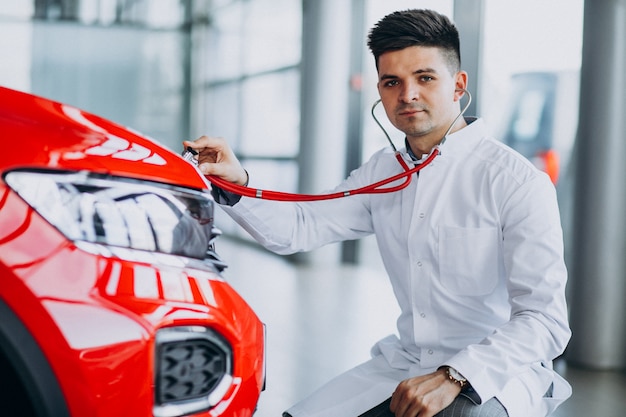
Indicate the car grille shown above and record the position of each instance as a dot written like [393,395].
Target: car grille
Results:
[193,369]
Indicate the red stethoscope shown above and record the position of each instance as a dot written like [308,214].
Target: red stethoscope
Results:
[379,187]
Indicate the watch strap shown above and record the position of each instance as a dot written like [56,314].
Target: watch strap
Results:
[454,376]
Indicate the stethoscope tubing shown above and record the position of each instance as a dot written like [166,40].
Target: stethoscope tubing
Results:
[374,188]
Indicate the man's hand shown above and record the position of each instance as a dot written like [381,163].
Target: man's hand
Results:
[215,157]
[424,396]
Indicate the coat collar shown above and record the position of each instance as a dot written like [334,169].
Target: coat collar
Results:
[462,140]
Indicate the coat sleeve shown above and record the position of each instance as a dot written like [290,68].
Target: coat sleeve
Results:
[538,329]
[288,227]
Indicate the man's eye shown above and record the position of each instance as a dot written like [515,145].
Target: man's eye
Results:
[391,83]
[426,78]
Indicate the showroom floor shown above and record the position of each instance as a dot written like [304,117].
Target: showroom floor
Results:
[323,320]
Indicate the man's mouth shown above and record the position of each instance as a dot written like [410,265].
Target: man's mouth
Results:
[410,111]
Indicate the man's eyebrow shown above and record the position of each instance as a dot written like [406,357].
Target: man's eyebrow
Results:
[416,72]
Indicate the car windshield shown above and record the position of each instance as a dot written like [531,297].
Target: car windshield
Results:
[120,212]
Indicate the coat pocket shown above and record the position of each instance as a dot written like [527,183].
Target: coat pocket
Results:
[469,259]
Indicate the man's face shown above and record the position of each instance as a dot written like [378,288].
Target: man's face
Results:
[419,93]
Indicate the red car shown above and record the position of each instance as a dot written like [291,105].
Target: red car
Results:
[112,301]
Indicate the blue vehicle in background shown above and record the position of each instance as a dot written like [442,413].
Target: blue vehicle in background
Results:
[543,119]
[542,125]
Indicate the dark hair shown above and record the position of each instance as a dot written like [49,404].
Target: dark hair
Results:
[416,27]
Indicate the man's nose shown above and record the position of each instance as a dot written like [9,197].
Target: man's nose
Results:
[409,93]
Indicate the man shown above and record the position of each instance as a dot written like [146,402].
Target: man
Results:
[473,248]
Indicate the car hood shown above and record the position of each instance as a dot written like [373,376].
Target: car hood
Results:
[41,133]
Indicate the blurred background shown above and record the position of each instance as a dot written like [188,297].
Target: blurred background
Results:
[290,83]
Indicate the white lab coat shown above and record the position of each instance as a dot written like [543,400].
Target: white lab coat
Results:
[474,251]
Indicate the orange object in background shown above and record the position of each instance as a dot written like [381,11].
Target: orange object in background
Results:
[549,162]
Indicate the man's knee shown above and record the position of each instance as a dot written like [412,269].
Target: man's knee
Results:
[464,407]
[460,407]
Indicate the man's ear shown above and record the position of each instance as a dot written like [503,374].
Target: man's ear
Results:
[461,85]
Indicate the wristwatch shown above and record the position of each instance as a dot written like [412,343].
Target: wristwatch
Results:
[456,377]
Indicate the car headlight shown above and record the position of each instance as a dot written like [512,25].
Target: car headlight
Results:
[121,213]
[193,370]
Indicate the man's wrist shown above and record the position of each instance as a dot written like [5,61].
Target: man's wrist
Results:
[244,182]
